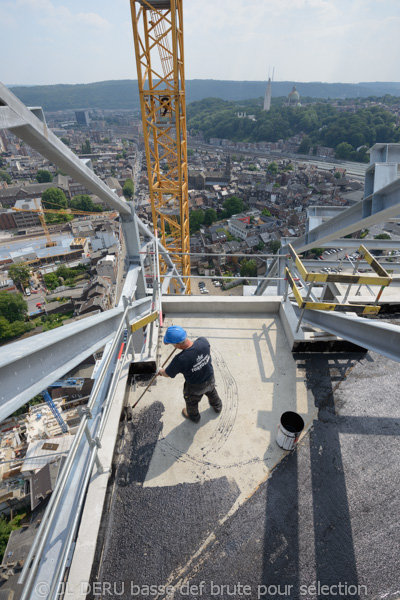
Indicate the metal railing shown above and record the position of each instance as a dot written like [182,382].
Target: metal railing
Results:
[87,440]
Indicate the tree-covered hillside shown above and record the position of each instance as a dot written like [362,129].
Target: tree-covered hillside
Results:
[322,123]
[349,129]
[103,94]
[124,94]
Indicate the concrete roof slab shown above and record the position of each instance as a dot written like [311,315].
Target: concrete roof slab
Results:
[199,504]
[257,380]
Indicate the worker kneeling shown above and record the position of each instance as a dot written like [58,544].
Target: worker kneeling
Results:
[194,362]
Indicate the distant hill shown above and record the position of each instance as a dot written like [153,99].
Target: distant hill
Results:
[103,94]
[124,94]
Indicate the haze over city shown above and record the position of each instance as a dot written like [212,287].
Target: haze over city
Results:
[52,41]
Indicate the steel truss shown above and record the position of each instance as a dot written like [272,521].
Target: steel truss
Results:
[158,37]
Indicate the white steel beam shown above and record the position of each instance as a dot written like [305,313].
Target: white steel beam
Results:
[172,271]
[380,337]
[16,117]
[372,244]
[373,209]
[28,366]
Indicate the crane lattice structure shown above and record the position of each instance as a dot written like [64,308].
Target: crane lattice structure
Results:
[158,36]
[43,223]
[54,410]
[40,212]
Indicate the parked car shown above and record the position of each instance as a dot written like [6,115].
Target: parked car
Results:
[27,291]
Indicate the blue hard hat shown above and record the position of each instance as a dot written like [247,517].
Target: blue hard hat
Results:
[174,335]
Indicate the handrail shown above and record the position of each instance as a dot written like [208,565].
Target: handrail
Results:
[29,570]
[59,572]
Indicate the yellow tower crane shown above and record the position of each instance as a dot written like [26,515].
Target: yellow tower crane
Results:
[61,210]
[39,211]
[49,243]
[158,36]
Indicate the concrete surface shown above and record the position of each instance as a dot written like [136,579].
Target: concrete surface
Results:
[257,381]
[190,479]
[201,507]
[192,305]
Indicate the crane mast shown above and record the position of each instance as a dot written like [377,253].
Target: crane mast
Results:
[49,243]
[158,36]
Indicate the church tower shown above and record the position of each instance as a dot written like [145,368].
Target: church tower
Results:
[267,97]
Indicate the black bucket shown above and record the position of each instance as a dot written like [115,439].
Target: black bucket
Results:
[290,427]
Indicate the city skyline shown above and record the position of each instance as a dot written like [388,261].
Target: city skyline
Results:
[51,41]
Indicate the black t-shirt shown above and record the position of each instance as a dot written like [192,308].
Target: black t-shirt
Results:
[194,363]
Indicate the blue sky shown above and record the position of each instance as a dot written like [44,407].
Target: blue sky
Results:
[70,41]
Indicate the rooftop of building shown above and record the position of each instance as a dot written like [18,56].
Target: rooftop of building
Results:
[28,188]
[18,248]
[31,204]
[109,258]
[221,502]
[42,451]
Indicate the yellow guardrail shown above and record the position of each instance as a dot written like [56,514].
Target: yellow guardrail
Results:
[332,306]
[144,321]
[374,264]
[383,278]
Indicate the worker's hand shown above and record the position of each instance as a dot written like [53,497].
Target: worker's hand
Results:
[162,372]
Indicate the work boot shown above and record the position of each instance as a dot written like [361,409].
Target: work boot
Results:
[186,415]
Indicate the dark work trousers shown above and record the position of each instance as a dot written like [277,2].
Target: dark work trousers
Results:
[193,393]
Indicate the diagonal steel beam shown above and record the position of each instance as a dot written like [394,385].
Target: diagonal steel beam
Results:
[28,366]
[374,209]
[173,271]
[16,117]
